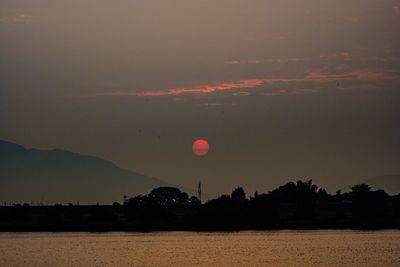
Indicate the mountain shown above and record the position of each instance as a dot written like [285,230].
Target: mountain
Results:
[389,183]
[60,176]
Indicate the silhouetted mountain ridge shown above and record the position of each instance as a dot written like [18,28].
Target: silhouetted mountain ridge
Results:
[9,148]
[50,176]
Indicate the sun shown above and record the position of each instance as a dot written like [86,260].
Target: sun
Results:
[200,147]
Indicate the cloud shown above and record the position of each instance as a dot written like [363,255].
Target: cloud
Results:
[203,89]
[265,61]
[17,18]
[396,8]
[319,76]
[241,93]
[338,57]
[313,77]
[217,104]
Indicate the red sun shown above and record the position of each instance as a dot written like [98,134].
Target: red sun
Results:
[200,147]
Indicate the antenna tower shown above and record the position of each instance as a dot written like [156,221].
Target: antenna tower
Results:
[199,191]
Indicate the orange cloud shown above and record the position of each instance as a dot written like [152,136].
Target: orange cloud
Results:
[205,89]
[311,77]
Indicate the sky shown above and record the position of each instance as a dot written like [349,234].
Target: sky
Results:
[282,90]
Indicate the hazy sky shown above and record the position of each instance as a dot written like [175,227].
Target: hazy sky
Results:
[281,89]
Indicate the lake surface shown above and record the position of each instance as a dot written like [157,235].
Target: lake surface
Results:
[272,248]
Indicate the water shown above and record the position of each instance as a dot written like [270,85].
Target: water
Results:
[273,248]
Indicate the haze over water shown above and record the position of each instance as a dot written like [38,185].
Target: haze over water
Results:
[272,248]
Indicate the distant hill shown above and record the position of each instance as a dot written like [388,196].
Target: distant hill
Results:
[389,183]
[60,176]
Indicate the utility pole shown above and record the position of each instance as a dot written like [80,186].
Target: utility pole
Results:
[199,191]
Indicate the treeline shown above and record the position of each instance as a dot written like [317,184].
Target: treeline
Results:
[299,205]
[295,205]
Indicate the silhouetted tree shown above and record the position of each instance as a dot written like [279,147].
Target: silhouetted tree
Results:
[264,211]
[360,189]
[145,212]
[238,194]
[299,204]
[367,206]
[169,196]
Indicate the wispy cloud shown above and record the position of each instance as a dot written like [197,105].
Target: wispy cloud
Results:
[203,89]
[343,57]
[313,77]
[396,8]
[217,104]
[17,18]
[265,61]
